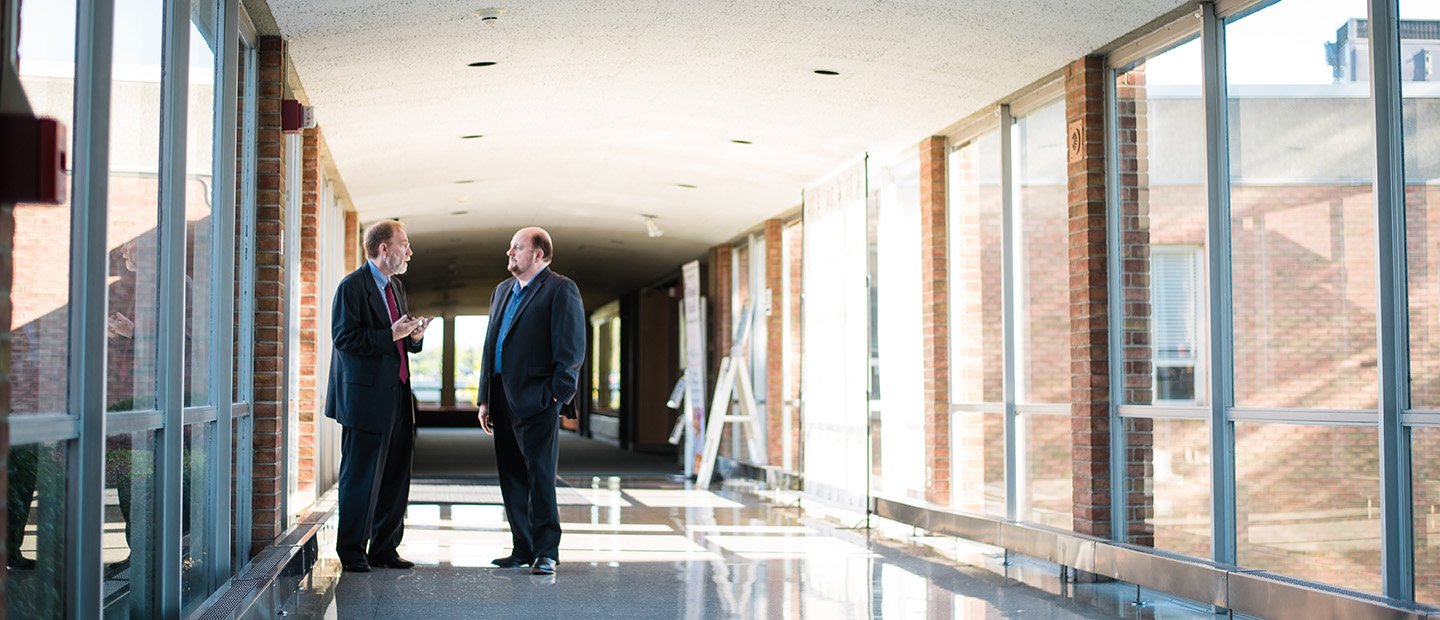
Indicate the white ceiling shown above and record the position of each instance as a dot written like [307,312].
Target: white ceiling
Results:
[597,111]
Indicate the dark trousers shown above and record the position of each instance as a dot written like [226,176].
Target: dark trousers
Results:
[527,451]
[375,486]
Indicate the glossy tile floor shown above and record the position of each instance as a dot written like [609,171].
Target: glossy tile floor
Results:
[652,547]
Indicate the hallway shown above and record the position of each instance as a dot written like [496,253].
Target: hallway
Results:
[646,546]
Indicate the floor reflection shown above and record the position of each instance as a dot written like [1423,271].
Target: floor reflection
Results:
[653,548]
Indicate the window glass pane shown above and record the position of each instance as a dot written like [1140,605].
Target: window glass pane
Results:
[1425,444]
[427,365]
[134,247]
[1302,155]
[40,293]
[1049,471]
[1160,134]
[469,353]
[1170,504]
[198,495]
[130,543]
[977,337]
[1307,502]
[244,222]
[898,430]
[35,538]
[977,462]
[199,194]
[242,455]
[1044,269]
[1420,85]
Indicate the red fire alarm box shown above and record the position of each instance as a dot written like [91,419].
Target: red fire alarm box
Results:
[33,159]
[295,117]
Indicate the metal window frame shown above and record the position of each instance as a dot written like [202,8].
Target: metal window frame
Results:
[1009,294]
[222,270]
[1397,535]
[89,217]
[1222,378]
[174,122]
[247,116]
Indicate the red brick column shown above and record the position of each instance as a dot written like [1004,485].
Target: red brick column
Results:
[719,321]
[269,406]
[1133,164]
[720,289]
[774,341]
[352,241]
[309,305]
[1089,309]
[935,292]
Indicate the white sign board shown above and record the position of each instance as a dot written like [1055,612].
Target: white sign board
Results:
[694,361]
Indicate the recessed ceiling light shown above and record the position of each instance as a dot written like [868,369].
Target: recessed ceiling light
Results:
[685,185]
[817,72]
[465,181]
[483,63]
[472,136]
[458,212]
[742,142]
[490,14]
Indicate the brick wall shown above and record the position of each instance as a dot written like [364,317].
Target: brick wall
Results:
[352,241]
[718,333]
[794,239]
[935,316]
[1089,314]
[310,338]
[774,343]
[269,406]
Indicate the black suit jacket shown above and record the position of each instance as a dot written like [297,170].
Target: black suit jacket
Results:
[365,369]
[544,348]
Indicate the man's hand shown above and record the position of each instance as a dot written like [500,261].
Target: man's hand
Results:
[485,421]
[403,327]
[419,332]
[118,324]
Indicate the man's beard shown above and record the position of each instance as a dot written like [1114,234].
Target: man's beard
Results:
[400,267]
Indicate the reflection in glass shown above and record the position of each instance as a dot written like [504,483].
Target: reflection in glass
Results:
[977,348]
[1308,504]
[977,461]
[1163,206]
[1302,157]
[1420,85]
[129,543]
[241,455]
[1049,473]
[1170,503]
[134,252]
[35,536]
[196,495]
[40,293]
[427,365]
[1044,288]
[1425,462]
[199,180]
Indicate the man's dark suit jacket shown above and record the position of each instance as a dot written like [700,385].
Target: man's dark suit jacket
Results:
[365,369]
[543,349]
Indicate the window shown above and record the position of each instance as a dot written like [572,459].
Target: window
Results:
[605,364]
[1175,282]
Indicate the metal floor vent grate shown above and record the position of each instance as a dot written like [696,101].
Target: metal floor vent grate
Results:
[229,602]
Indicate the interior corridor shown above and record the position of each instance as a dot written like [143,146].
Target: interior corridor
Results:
[643,544]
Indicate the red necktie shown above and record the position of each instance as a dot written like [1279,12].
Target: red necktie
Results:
[399,344]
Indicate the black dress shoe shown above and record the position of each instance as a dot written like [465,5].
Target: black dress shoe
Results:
[510,561]
[393,561]
[543,566]
[357,567]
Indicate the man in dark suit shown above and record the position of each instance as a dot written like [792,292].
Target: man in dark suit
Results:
[529,373]
[370,396]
